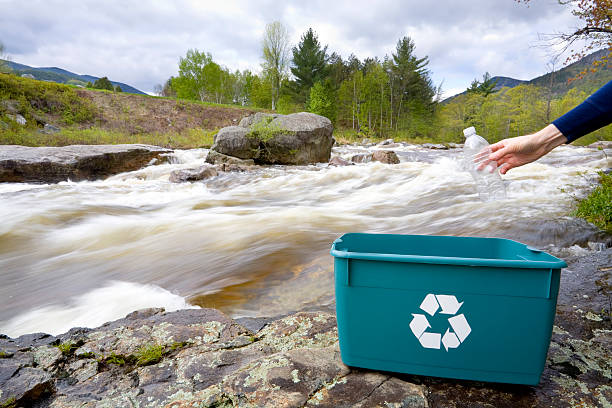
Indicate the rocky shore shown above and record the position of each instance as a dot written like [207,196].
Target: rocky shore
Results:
[202,358]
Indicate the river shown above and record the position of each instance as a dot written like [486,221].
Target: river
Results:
[254,243]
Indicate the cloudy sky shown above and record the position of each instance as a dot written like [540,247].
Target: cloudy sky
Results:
[140,42]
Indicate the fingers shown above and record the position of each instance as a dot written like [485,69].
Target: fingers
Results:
[503,169]
[499,145]
[498,153]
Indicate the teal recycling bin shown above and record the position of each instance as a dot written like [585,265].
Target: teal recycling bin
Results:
[456,307]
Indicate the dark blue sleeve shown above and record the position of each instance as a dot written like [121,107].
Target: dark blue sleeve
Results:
[595,112]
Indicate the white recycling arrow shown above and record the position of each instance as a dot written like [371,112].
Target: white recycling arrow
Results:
[419,324]
[450,340]
[429,304]
[460,326]
[449,304]
[430,340]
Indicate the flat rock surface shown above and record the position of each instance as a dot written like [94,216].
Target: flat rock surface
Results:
[76,162]
[202,358]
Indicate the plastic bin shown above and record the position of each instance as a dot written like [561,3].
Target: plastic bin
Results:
[456,307]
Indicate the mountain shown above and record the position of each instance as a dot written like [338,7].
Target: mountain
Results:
[560,85]
[501,81]
[60,75]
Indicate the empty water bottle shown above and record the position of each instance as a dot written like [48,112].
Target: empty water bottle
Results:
[476,150]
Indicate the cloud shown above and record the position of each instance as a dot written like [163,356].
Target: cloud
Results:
[140,42]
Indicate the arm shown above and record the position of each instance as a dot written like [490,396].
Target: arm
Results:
[595,112]
[516,151]
[592,114]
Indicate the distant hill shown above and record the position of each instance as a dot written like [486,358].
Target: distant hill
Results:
[560,78]
[62,76]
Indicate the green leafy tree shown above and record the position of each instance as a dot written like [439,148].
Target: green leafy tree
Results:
[261,92]
[191,81]
[309,64]
[103,83]
[322,101]
[276,58]
[118,89]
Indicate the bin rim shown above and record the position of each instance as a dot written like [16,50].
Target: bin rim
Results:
[428,259]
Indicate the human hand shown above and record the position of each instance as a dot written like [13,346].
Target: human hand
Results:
[517,151]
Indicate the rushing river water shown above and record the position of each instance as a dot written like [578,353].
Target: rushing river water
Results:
[254,243]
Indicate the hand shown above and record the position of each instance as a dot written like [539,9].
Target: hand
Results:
[517,151]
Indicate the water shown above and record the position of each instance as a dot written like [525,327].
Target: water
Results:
[250,244]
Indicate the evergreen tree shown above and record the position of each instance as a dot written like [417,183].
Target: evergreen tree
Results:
[309,63]
[486,87]
[103,83]
[411,78]
[118,89]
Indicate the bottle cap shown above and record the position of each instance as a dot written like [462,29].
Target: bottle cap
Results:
[469,131]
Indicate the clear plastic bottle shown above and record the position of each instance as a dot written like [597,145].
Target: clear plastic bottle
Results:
[489,184]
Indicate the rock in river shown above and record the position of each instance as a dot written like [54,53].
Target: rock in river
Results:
[77,162]
[204,172]
[299,138]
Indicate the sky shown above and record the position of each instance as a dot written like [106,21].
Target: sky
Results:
[140,42]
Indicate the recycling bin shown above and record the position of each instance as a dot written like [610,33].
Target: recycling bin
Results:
[456,307]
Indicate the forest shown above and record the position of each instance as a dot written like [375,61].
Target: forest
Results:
[378,98]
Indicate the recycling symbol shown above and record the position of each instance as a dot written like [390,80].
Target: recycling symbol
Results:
[449,306]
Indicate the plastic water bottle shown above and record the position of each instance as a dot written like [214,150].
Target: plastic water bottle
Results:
[489,184]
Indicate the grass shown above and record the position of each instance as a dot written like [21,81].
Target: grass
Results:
[9,403]
[115,359]
[264,130]
[38,97]
[596,208]
[149,354]
[191,138]
[67,348]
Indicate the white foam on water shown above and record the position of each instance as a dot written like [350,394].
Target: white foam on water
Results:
[197,238]
[92,309]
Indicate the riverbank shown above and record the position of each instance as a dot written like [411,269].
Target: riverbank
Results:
[38,113]
[201,357]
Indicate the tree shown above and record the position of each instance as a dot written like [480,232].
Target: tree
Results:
[167,89]
[276,57]
[309,63]
[158,89]
[118,89]
[321,101]
[103,83]
[595,32]
[191,81]
[486,87]
[411,76]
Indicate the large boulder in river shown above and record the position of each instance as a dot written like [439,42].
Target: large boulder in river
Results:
[299,138]
[77,162]
[234,141]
